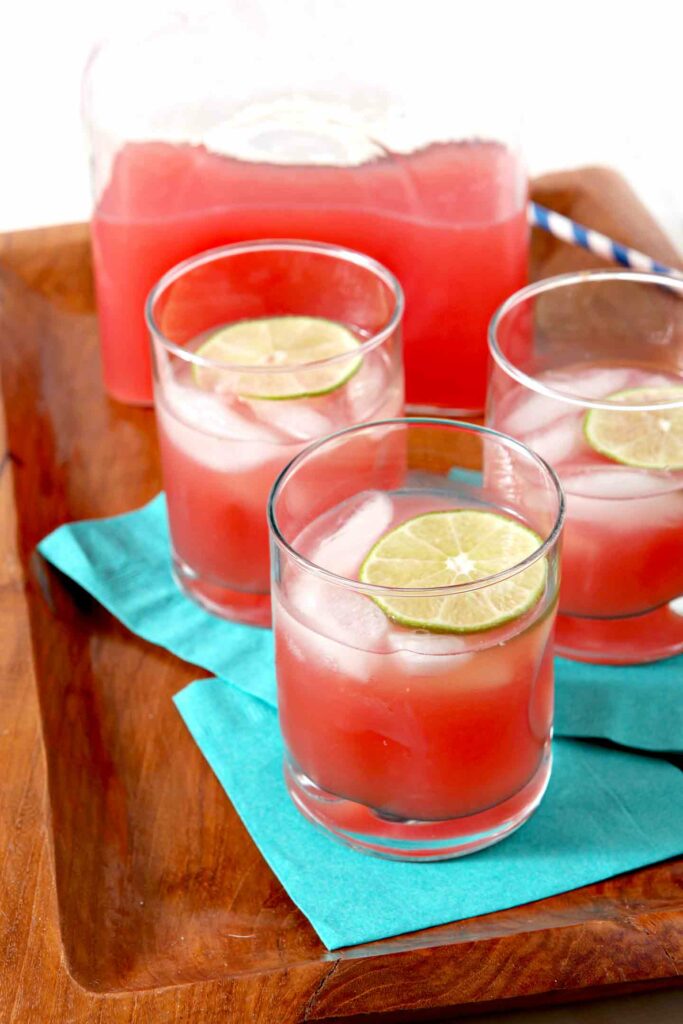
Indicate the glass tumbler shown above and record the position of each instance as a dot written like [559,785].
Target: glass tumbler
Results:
[587,370]
[417,719]
[225,429]
[265,121]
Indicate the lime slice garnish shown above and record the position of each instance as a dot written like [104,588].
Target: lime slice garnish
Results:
[650,439]
[441,549]
[279,342]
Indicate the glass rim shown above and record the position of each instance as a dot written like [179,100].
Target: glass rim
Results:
[548,284]
[296,245]
[445,591]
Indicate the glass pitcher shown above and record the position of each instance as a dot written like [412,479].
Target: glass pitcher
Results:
[364,125]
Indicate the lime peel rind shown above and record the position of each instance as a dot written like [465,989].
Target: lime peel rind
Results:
[279,341]
[651,439]
[442,549]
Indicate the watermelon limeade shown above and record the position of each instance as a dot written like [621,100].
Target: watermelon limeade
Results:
[622,553]
[404,725]
[449,220]
[220,456]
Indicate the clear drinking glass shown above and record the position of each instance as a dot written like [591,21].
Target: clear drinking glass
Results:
[401,740]
[222,447]
[587,370]
[269,121]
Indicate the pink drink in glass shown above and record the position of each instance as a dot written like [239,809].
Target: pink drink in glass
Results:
[401,741]
[623,537]
[449,221]
[220,456]
[221,450]
[415,725]
[603,347]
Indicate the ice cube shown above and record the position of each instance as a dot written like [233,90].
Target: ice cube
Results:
[340,613]
[592,381]
[225,415]
[424,654]
[365,390]
[212,432]
[354,618]
[343,551]
[624,498]
[427,644]
[339,628]
[534,412]
[292,420]
[559,442]
[620,482]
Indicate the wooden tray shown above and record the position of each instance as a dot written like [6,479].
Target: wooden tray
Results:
[130,890]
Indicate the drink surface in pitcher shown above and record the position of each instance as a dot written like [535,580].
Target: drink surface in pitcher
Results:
[448,219]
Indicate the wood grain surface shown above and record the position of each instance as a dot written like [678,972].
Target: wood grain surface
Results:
[130,890]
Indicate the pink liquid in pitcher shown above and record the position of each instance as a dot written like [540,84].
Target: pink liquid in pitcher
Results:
[449,220]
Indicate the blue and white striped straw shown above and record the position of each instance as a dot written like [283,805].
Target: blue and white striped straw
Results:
[577,234]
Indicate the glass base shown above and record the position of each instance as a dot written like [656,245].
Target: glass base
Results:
[632,641]
[443,412]
[364,829]
[236,605]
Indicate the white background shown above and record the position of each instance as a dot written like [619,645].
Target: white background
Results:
[604,80]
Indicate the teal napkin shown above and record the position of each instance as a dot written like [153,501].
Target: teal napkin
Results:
[606,811]
[124,563]
[636,705]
